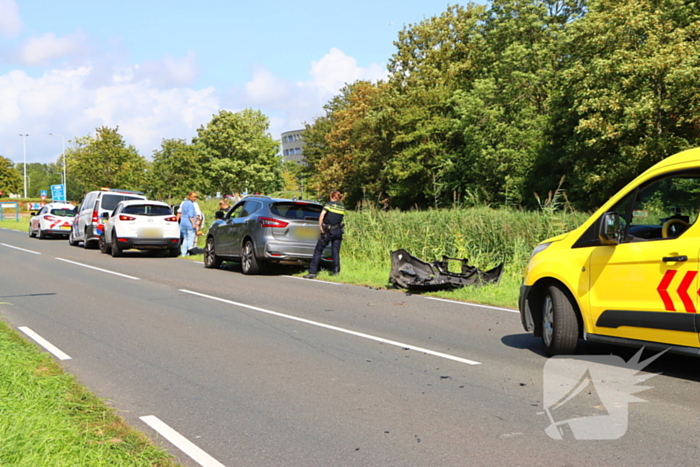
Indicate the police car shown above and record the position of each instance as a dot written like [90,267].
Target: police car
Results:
[629,274]
[53,219]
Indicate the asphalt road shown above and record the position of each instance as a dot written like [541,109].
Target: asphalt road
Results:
[279,371]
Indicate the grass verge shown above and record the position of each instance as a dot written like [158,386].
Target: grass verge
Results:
[48,419]
[483,235]
[359,272]
[12,224]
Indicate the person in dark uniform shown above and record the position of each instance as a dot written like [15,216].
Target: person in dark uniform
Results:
[223,209]
[330,223]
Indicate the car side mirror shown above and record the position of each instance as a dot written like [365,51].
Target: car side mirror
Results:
[105,215]
[610,230]
[33,213]
[218,215]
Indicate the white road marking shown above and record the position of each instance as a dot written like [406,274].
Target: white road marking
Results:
[472,304]
[335,328]
[20,249]
[429,298]
[44,343]
[317,280]
[180,442]
[99,269]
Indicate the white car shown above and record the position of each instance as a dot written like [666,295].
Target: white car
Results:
[140,225]
[88,224]
[53,219]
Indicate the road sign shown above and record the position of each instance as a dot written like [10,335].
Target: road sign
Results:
[43,194]
[58,193]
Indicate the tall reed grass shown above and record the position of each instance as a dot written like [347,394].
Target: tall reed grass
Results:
[484,235]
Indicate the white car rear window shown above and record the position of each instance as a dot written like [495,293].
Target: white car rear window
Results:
[63,212]
[110,201]
[147,210]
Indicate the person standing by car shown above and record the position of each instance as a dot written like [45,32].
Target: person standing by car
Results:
[330,223]
[188,223]
[223,208]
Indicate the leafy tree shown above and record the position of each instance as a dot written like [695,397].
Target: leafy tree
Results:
[105,161]
[10,177]
[433,60]
[352,151]
[240,153]
[40,177]
[177,169]
[628,97]
[292,176]
[503,112]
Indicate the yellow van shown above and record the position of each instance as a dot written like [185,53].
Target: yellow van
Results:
[629,274]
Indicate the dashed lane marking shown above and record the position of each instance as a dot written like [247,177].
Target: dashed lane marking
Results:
[180,442]
[44,343]
[20,249]
[99,269]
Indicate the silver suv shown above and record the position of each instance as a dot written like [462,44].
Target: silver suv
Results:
[88,222]
[259,230]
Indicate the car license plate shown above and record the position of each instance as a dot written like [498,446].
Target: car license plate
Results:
[150,232]
[65,227]
[306,233]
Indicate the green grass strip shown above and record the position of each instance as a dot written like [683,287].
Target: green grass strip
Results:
[48,419]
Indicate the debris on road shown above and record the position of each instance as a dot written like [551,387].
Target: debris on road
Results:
[409,272]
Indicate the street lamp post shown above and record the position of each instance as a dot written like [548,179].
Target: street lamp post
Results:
[24,147]
[63,155]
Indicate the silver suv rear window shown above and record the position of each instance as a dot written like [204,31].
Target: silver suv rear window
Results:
[301,211]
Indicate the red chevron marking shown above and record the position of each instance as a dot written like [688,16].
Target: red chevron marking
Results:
[683,291]
[663,287]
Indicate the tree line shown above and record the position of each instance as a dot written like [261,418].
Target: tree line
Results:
[484,104]
[492,104]
[233,153]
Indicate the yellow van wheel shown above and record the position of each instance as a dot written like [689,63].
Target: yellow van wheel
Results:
[560,327]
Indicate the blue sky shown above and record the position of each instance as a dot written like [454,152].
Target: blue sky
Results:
[160,69]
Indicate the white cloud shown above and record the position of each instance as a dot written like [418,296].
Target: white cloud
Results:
[290,104]
[149,102]
[42,50]
[265,88]
[336,69]
[10,22]
[60,102]
[146,115]
[169,71]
